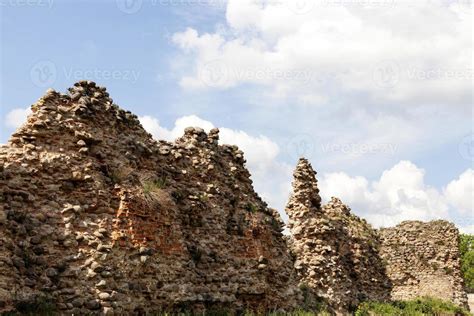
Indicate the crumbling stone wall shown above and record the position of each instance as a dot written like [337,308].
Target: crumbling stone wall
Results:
[423,260]
[337,253]
[100,218]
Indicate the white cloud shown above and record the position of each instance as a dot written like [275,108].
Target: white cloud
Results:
[391,75]
[379,48]
[402,194]
[460,193]
[16,117]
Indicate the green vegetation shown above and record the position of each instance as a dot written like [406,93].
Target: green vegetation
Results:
[224,312]
[295,313]
[154,185]
[419,307]
[153,192]
[467,261]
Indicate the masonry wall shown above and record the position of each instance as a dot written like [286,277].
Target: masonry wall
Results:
[98,217]
[423,260]
[337,252]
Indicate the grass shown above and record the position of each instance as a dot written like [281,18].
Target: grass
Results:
[150,186]
[418,307]
[153,192]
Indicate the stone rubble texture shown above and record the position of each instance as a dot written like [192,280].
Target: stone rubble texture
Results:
[337,253]
[423,260]
[101,218]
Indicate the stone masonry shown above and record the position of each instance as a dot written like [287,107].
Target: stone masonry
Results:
[337,253]
[97,217]
[423,260]
[100,218]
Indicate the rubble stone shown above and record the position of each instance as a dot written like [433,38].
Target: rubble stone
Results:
[119,227]
[423,260]
[101,217]
[336,251]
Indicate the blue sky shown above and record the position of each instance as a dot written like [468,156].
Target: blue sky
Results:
[365,90]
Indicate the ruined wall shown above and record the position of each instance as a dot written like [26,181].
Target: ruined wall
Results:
[337,253]
[423,260]
[100,218]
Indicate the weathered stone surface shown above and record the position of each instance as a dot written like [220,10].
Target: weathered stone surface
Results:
[423,260]
[131,225]
[336,251]
[103,219]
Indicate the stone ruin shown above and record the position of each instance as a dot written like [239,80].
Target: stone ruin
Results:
[423,260]
[337,253]
[99,218]
[343,260]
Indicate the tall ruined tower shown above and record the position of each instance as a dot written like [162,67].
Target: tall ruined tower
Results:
[336,252]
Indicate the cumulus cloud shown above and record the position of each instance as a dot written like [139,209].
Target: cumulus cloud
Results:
[460,193]
[402,194]
[389,75]
[378,48]
[16,117]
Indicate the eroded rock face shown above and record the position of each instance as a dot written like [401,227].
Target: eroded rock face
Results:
[423,260]
[337,253]
[102,218]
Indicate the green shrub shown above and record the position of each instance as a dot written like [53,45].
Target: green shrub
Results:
[466,248]
[418,307]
